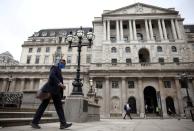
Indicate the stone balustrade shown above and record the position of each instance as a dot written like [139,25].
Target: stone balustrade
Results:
[143,66]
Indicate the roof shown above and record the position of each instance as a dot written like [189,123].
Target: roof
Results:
[169,10]
[58,32]
[7,53]
[189,28]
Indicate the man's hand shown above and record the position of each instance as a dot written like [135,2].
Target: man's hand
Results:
[62,86]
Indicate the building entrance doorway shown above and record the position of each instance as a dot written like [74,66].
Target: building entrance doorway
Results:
[150,100]
[132,103]
[170,106]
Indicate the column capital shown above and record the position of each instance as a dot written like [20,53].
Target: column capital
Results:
[123,78]
[106,77]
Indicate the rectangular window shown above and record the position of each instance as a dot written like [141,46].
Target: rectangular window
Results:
[28,59]
[125,26]
[46,59]
[125,38]
[47,49]
[113,39]
[128,61]
[30,50]
[167,84]
[138,26]
[115,84]
[58,49]
[112,26]
[131,84]
[38,49]
[69,59]
[161,60]
[88,59]
[183,83]
[99,84]
[114,61]
[176,60]
[37,59]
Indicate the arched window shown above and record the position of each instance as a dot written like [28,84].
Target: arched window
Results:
[173,48]
[159,48]
[113,50]
[127,49]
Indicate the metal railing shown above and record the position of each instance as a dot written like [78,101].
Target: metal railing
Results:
[10,99]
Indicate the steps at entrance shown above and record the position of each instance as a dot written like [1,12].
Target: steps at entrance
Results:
[5,122]
[19,117]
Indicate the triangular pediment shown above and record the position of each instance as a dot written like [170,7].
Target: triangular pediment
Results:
[140,8]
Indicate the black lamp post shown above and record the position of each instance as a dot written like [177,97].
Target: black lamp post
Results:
[185,77]
[78,42]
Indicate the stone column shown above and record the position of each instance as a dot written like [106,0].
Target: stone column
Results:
[160,30]
[147,30]
[178,29]
[141,97]
[151,30]
[179,97]
[107,98]
[12,85]
[117,30]
[162,95]
[173,29]
[108,30]
[130,31]
[164,29]
[191,91]
[121,30]
[22,84]
[134,31]
[104,30]
[4,85]
[31,87]
[123,91]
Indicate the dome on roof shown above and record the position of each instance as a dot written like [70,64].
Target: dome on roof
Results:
[7,54]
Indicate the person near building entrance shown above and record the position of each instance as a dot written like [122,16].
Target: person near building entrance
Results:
[158,111]
[127,109]
[55,87]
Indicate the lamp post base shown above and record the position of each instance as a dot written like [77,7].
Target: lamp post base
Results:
[77,93]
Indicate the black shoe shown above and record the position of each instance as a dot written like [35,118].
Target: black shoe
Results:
[35,126]
[63,126]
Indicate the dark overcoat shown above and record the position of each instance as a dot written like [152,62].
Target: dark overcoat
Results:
[55,77]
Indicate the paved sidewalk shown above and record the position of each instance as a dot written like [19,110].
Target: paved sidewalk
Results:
[117,125]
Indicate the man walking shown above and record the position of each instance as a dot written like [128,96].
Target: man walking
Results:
[127,109]
[55,87]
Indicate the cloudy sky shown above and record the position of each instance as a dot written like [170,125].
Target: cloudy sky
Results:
[19,19]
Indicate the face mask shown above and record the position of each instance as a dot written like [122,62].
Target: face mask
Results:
[61,65]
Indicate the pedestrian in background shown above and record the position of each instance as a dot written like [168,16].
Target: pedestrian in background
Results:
[127,109]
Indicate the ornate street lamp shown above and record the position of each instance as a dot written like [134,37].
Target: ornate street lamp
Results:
[185,77]
[77,41]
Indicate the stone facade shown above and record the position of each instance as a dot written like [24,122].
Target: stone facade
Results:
[136,56]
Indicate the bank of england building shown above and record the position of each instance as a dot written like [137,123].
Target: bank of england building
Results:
[138,56]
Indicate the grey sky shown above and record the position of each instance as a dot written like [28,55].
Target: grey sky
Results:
[19,19]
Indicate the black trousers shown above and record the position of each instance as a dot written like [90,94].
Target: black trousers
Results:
[127,114]
[58,106]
